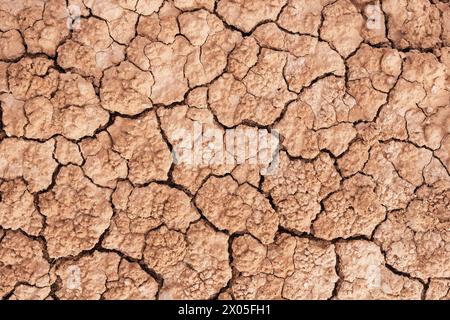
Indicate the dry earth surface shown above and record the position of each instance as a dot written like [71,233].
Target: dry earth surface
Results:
[93,204]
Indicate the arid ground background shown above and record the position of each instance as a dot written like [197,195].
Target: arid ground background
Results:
[95,204]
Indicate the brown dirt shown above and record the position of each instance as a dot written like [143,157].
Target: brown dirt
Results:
[95,204]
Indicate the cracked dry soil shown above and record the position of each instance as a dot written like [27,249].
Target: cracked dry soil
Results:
[93,205]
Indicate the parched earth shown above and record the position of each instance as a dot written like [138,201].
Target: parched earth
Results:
[95,205]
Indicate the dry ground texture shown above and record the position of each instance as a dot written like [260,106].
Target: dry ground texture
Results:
[93,204]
